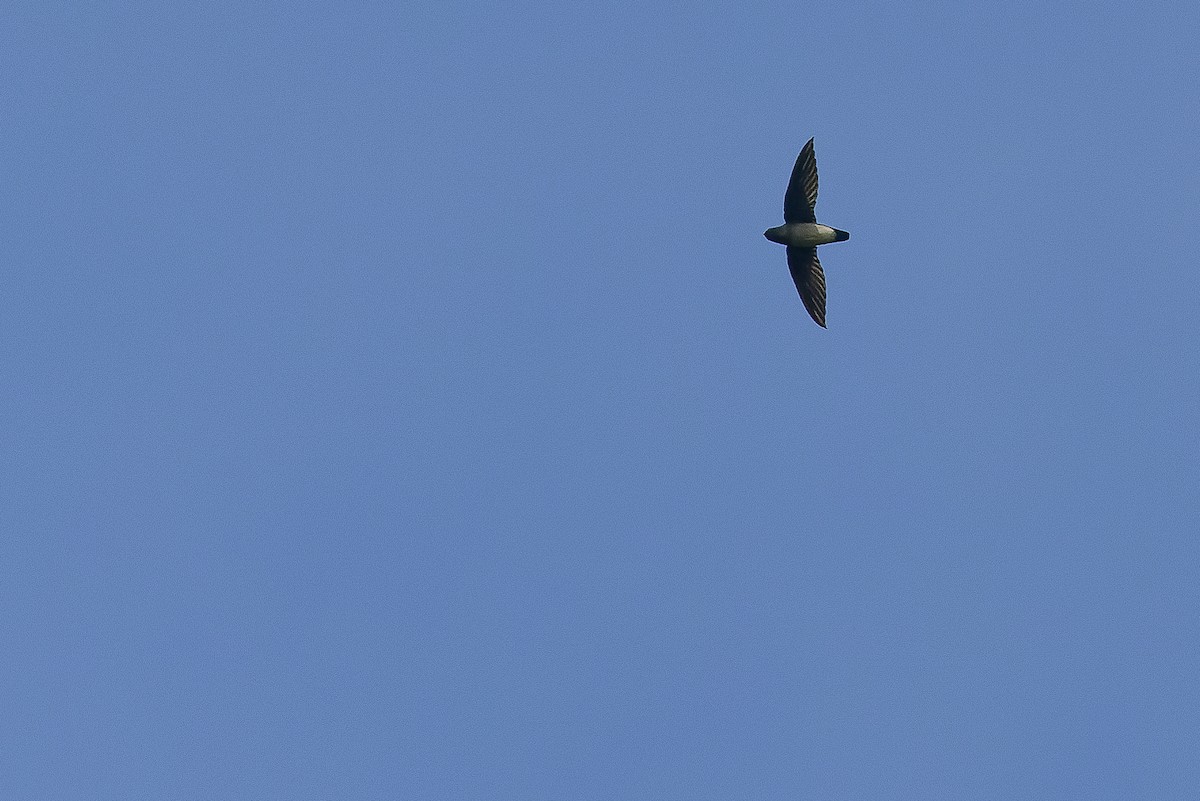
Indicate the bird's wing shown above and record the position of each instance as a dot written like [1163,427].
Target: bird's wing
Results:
[810,280]
[801,195]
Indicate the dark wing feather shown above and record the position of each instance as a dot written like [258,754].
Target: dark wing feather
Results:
[810,280]
[801,197]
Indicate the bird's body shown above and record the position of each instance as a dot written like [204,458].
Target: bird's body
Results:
[805,235]
[802,233]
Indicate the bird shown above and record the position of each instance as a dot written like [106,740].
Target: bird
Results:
[801,233]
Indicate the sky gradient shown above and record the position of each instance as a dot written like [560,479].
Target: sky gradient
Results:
[402,402]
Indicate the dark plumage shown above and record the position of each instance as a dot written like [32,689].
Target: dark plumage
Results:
[802,234]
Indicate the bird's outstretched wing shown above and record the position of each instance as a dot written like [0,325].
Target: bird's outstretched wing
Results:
[801,195]
[810,280]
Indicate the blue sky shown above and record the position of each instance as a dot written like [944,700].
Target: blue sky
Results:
[401,401]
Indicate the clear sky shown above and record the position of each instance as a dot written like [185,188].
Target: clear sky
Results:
[401,401]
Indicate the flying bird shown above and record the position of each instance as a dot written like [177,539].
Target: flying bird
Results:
[802,233]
